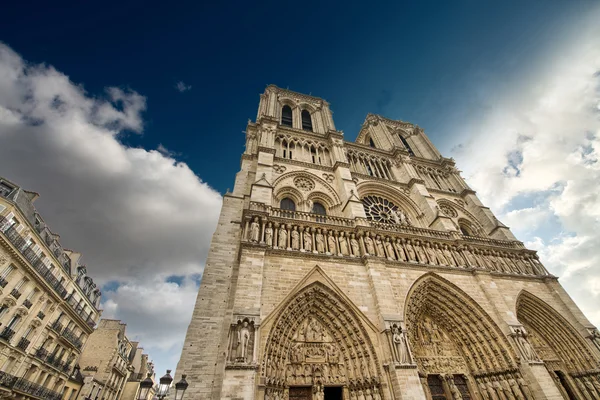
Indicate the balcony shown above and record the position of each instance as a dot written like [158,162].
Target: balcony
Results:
[36,262]
[41,353]
[7,334]
[3,282]
[57,327]
[35,390]
[23,344]
[27,303]
[7,380]
[72,338]
[41,315]
[55,362]
[15,293]
[80,310]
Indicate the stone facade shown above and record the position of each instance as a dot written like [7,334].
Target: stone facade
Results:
[48,304]
[370,270]
[107,362]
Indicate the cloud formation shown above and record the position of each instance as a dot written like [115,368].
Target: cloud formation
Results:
[138,216]
[182,87]
[535,157]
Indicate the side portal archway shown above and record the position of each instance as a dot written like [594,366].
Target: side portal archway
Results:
[567,356]
[457,346]
[319,341]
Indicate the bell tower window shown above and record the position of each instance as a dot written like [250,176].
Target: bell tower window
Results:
[371,142]
[286,116]
[306,121]
[319,209]
[406,145]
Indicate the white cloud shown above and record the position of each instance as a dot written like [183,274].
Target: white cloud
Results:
[542,140]
[182,87]
[137,216]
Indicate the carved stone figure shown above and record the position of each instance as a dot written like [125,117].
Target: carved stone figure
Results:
[514,386]
[448,255]
[243,339]
[421,255]
[400,348]
[440,255]
[389,249]
[369,245]
[400,250]
[595,337]
[379,247]
[320,241]
[343,244]
[524,345]
[255,231]
[282,237]
[454,390]
[269,234]
[307,240]
[331,243]
[295,236]
[410,251]
[354,245]
[431,254]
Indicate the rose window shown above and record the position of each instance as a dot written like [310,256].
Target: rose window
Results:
[379,209]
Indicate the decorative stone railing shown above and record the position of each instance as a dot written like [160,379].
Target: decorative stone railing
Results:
[341,237]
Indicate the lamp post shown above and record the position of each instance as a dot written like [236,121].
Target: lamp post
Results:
[145,387]
[164,385]
[180,388]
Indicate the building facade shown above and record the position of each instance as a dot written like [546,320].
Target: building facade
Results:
[106,362]
[370,270]
[48,304]
[142,368]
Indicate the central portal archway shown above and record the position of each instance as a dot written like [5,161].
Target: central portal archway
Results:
[318,349]
[458,348]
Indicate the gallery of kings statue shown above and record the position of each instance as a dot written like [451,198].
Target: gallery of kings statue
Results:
[370,270]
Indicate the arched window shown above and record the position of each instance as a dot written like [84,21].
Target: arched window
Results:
[287,204]
[319,208]
[405,143]
[371,142]
[306,121]
[286,116]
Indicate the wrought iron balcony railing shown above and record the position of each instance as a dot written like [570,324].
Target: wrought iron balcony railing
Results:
[27,303]
[3,282]
[41,353]
[41,315]
[7,380]
[33,389]
[37,263]
[15,293]
[57,327]
[7,334]
[23,344]
[72,338]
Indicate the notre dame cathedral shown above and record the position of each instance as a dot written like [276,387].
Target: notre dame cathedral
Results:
[370,270]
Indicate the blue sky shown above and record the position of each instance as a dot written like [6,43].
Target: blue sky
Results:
[131,176]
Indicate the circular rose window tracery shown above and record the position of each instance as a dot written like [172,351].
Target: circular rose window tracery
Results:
[379,209]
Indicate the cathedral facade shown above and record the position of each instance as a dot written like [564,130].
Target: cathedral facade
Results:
[369,270]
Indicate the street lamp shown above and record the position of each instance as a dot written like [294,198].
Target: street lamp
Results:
[180,388]
[145,387]
[164,385]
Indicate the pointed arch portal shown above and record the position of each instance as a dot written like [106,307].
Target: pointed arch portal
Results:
[567,356]
[457,345]
[319,341]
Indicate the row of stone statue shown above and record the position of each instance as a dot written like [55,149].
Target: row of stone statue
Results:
[503,386]
[589,386]
[323,241]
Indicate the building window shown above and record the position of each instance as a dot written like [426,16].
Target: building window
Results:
[371,143]
[406,145]
[7,271]
[306,121]
[436,388]
[318,208]
[287,204]
[286,116]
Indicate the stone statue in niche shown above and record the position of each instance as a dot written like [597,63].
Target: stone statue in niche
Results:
[331,243]
[320,241]
[255,230]
[269,234]
[453,389]
[295,235]
[369,245]
[242,335]
[389,247]
[354,245]
[524,346]
[379,244]
[400,349]
[282,237]
[307,240]
[595,337]
[343,244]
